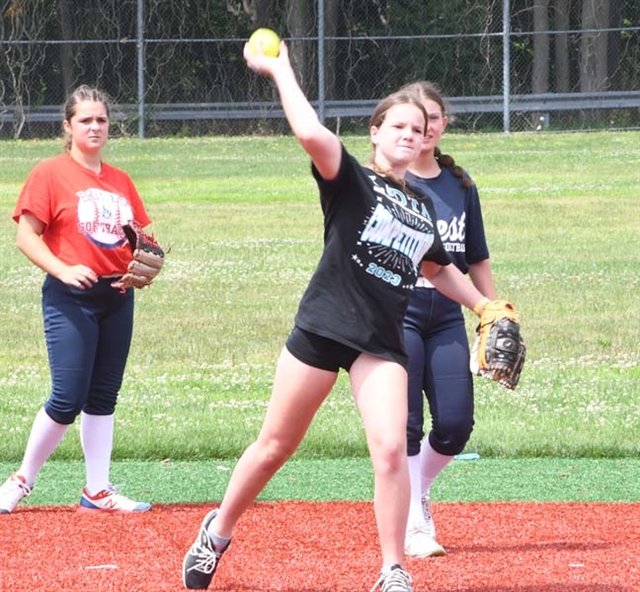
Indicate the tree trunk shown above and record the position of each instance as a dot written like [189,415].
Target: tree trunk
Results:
[299,22]
[540,77]
[331,30]
[561,46]
[262,11]
[594,46]
[65,15]
[615,46]
[540,74]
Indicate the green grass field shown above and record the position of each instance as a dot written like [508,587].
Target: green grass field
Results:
[242,218]
[330,479]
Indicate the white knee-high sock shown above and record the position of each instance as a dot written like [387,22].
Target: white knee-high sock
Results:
[44,438]
[415,506]
[96,434]
[431,465]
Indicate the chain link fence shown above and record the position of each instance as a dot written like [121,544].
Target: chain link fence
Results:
[176,68]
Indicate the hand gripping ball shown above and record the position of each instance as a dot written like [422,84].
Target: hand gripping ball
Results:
[265,39]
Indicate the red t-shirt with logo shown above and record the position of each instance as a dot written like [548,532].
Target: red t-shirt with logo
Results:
[83,212]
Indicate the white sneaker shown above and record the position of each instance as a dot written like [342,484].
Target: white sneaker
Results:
[110,500]
[420,540]
[419,543]
[12,491]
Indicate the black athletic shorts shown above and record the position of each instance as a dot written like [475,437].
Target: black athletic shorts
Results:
[320,352]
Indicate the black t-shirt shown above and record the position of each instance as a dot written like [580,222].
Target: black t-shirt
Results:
[375,238]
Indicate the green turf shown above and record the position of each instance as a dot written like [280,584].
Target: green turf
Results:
[490,480]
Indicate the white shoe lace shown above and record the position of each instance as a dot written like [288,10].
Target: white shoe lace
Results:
[205,557]
[430,527]
[204,553]
[396,580]
[12,492]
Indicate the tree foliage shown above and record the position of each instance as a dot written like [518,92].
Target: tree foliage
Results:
[192,50]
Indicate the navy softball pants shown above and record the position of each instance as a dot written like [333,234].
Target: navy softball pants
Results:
[88,335]
[438,349]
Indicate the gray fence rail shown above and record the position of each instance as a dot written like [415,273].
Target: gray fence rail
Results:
[538,103]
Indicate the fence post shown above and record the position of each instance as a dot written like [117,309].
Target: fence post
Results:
[506,59]
[321,59]
[140,58]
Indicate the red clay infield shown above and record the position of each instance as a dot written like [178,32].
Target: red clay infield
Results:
[326,547]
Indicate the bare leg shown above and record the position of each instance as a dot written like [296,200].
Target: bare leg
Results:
[298,392]
[380,390]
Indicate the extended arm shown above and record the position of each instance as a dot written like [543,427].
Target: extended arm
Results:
[322,145]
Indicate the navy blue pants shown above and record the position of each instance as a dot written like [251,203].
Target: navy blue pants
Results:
[88,335]
[438,349]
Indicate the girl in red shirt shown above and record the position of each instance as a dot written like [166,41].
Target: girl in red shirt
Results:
[70,214]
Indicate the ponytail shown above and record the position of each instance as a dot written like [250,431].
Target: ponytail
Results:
[445,160]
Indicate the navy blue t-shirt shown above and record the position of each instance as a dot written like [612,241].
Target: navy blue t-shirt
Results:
[459,216]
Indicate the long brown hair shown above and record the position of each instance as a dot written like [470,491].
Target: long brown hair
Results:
[430,91]
[82,93]
[378,116]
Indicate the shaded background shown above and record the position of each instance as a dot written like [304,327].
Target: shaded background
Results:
[176,68]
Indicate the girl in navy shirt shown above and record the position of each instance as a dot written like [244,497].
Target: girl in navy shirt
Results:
[434,327]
